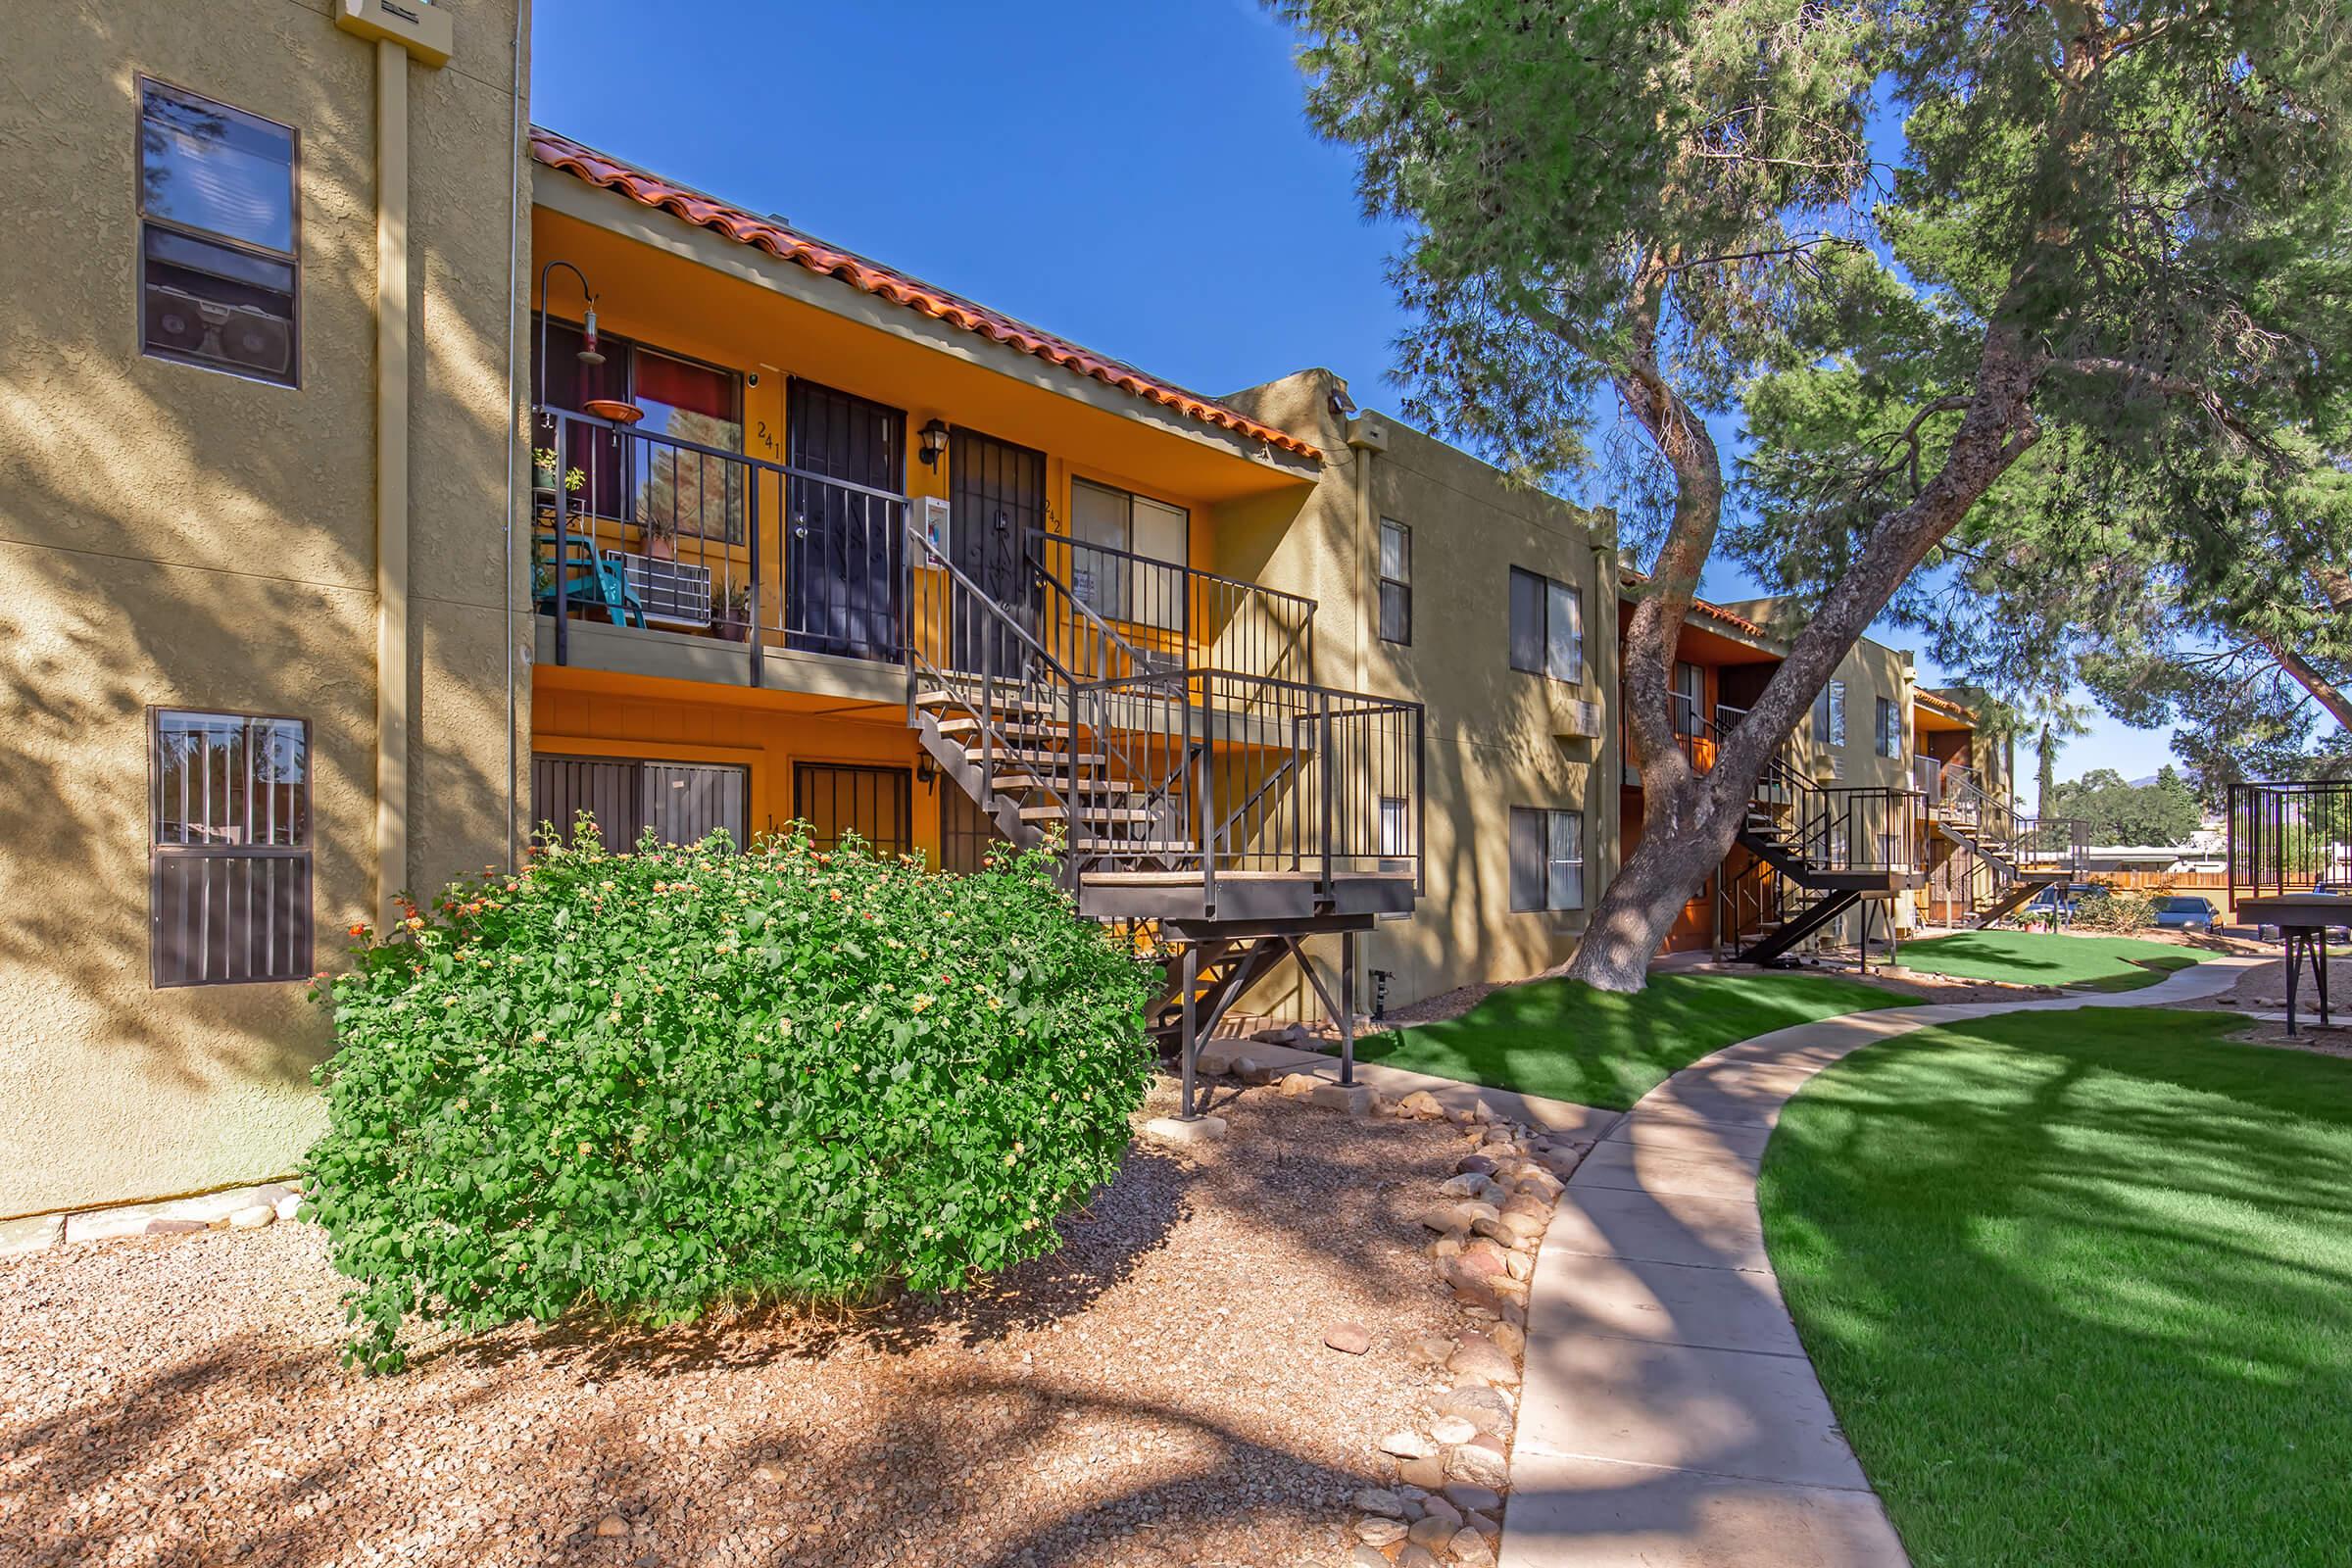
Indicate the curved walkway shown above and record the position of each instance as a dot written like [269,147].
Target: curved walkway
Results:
[1669,1417]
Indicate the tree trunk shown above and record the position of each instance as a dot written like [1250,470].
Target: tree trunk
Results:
[2045,774]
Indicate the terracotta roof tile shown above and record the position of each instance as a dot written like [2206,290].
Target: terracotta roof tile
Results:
[1700,607]
[789,244]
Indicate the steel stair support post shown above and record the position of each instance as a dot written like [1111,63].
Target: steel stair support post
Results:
[1204,805]
[1188,1045]
[1323,765]
[1346,1007]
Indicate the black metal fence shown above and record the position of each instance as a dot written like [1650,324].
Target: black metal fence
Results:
[2290,836]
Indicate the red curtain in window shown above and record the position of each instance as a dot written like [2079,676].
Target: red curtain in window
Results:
[693,388]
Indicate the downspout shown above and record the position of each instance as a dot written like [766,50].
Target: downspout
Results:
[515,174]
[391,475]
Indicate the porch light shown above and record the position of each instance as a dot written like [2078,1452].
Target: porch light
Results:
[935,442]
[589,353]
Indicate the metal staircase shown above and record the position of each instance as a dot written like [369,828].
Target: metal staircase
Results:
[2000,858]
[1814,853]
[1229,813]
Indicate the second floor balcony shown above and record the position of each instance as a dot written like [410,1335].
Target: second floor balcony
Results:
[726,559]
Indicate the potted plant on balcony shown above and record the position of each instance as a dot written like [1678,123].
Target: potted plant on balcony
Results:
[661,534]
[731,612]
[543,473]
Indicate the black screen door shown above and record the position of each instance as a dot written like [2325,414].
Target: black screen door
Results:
[843,550]
[995,493]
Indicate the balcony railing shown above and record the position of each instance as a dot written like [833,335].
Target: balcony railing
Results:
[2290,836]
[670,534]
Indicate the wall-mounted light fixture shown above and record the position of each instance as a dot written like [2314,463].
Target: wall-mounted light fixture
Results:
[935,442]
[926,772]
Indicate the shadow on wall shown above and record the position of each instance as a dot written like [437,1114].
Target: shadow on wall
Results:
[174,536]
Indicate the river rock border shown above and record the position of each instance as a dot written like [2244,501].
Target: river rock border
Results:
[1450,1474]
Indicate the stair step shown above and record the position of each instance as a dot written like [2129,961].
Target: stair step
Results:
[1013,781]
[1036,760]
[1090,813]
[1002,701]
[1013,731]
[1100,846]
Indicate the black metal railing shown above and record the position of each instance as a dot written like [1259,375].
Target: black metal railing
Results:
[1204,772]
[1174,616]
[661,532]
[2289,836]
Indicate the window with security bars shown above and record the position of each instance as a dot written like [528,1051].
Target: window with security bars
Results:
[1547,859]
[836,800]
[229,848]
[965,833]
[681,802]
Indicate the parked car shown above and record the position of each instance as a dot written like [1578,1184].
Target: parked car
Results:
[2186,913]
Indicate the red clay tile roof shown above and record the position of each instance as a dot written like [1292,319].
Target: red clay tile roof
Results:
[1951,706]
[1700,607]
[601,168]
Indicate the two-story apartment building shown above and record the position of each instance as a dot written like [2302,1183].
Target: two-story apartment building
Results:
[396,477]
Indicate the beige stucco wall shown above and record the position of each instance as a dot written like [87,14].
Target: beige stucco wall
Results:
[176,536]
[1489,737]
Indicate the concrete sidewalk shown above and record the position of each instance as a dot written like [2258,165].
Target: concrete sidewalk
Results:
[1670,1417]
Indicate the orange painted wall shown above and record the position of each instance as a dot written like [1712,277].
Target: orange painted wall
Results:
[593,713]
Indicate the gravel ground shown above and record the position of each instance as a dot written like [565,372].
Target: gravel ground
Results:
[1155,1395]
[2263,990]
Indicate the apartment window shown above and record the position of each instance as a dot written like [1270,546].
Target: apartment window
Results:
[1395,828]
[1547,859]
[625,480]
[229,848]
[679,803]
[1828,715]
[876,804]
[219,273]
[1548,627]
[1891,729]
[1142,582]
[1395,581]
[1689,698]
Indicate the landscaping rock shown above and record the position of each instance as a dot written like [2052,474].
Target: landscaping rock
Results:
[1433,1350]
[1453,1429]
[290,1208]
[1474,1165]
[1408,1446]
[612,1527]
[1422,1105]
[1380,1532]
[1445,1246]
[1353,1099]
[1470,1549]
[770,1471]
[1387,1504]
[1433,1531]
[1489,1408]
[1299,1084]
[1445,1218]
[254,1217]
[1349,1339]
[1413,1556]
[1520,1265]
[175,1227]
[1427,1471]
[1472,1184]
[1481,1463]
[1485,1526]
[1509,1338]
[1479,1356]
[1176,1131]
[1367,1557]
[1282,1034]
[1473,1500]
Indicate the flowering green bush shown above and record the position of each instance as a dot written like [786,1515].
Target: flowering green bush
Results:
[652,1082]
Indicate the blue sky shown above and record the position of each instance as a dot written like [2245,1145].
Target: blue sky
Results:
[1138,178]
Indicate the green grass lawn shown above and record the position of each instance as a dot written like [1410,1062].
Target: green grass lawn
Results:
[1564,1040]
[2034,958]
[2080,1287]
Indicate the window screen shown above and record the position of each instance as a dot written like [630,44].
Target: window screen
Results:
[218,273]
[230,848]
